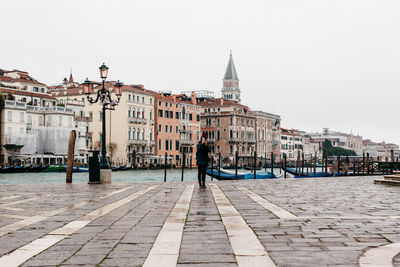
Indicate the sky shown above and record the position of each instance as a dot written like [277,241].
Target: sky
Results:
[316,63]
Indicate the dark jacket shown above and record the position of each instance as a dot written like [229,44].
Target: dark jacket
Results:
[202,154]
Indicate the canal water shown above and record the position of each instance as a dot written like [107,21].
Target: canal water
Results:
[118,176]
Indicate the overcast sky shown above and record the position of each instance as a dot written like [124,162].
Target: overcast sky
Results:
[316,63]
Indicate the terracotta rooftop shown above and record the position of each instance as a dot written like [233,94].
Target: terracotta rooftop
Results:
[25,93]
[221,102]
[24,78]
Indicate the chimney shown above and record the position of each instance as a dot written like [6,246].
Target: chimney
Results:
[193,98]
[222,101]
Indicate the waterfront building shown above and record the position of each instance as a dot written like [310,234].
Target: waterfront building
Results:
[311,148]
[81,119]
[267,133]
[374,150]
[130,125]
[339,139]
[229,127]
[189,123]
[389,147]
[381,151]
[291,144]
[177,127]
[33,127]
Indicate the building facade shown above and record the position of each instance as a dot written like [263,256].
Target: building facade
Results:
[267,133]
[33,128]
[339,139]
[129,126]
[229,127]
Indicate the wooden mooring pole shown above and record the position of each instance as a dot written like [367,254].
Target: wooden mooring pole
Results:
[71,150]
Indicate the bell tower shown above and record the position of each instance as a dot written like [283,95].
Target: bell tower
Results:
[230,89]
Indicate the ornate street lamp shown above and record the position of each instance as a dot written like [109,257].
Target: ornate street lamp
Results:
[104,96]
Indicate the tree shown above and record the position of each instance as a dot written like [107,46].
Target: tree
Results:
[336,151]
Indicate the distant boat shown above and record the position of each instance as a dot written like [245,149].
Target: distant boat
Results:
[126,168]
[55,168]
[114,169]
[77,168]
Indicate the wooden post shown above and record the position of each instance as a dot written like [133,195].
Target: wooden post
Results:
[236,164]
[315,162]
[255,165]
[272,164]
[212,166]
[219,164]
[71,150]
[265,161]
[363,163]
[165,167]
[302,165]
[183,163]
[284,158]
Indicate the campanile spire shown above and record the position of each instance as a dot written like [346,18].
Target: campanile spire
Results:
[230,89]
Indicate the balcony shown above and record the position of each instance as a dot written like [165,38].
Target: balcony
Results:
[186,131]
[57,109]
[136,120]
[151,122]
[234,140]
[250,140]
[14,104]
[137,142]
[152,143]
[186,142]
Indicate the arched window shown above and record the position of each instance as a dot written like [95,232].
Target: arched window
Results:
[218,135]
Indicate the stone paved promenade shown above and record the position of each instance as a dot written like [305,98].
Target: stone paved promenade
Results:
[345,221]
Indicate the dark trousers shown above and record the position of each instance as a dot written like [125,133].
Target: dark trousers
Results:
[201,175]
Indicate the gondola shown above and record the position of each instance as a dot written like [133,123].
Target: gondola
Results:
[9,169]
[126,168]
[21,169]
[114,169]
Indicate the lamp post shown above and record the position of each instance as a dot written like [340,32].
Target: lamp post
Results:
[103,95]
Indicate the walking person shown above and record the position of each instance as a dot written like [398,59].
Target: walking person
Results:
[202,160]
